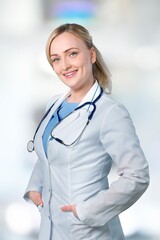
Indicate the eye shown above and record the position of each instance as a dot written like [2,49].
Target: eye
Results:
[73,54]
[54,60]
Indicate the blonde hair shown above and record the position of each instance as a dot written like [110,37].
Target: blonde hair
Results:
[100,70]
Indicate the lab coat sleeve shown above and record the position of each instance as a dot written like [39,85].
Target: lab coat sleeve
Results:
[35,182]
[120,141]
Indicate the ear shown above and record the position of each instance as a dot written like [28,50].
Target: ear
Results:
[93,55]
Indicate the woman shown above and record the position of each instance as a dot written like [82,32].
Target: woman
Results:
[81,134]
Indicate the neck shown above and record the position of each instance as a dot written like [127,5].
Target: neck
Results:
[76,95]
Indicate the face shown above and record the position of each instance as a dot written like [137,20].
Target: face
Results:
[72,61]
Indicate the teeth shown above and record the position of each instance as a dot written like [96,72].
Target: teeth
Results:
[70,73]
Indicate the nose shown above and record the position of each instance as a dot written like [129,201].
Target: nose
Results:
[65,64]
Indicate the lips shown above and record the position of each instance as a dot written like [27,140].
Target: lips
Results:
[70,74]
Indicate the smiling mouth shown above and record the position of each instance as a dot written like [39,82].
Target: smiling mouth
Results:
[70,74]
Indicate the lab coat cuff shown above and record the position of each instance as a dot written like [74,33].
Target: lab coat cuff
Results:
[26,195]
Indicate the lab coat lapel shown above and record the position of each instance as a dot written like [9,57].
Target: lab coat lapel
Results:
[38,138]
[71,127]
[92,94]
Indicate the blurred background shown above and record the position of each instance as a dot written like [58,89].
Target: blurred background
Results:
[128,36]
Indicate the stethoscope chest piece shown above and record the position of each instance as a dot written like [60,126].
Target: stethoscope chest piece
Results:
[30,146]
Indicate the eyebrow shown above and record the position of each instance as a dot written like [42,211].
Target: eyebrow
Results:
[67,50]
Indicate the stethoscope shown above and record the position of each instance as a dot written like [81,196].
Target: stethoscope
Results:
[30,145]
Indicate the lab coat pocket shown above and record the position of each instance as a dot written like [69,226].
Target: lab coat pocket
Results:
[75,219]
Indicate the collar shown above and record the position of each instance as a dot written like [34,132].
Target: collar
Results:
[92,94]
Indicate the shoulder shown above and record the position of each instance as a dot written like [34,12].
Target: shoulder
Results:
[112,107]
[115,116]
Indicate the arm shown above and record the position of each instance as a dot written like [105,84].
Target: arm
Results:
[34,188]
[120,141]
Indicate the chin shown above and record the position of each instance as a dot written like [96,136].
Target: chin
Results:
[72,83]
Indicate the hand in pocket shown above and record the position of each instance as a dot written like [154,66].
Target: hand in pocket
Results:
[36,198]
[70,208]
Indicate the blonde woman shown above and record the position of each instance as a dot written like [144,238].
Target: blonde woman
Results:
[82,133]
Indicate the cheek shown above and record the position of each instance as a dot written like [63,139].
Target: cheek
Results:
[87,60]
[87,64]
[56,69]
[75,62]
[83,62]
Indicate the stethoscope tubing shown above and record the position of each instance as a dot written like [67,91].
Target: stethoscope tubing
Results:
[30,145]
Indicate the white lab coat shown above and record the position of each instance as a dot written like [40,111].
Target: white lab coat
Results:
[78,174]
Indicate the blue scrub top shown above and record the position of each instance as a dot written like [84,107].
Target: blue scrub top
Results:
[64,110]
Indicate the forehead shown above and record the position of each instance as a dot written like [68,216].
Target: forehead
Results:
[65,41]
